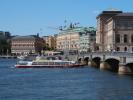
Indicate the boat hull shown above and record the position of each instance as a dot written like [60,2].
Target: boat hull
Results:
[48,66]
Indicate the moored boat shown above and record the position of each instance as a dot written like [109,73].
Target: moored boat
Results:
[44,63]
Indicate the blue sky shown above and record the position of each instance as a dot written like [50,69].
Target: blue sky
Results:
[25,17]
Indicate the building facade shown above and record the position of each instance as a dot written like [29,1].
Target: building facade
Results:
[115,31]
[68,40]
[21,45]
[75,39]
[55,41]
[50,41]
[87,40]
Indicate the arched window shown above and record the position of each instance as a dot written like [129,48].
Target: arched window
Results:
[118,49]
[125,49]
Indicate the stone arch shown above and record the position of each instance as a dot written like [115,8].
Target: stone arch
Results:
[130,65]
[113,64]
[86,60]
[96,61]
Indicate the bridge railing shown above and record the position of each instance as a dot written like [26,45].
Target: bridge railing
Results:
[125,54]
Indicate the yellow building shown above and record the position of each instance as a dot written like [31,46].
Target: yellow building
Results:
[69,39]
[50,41]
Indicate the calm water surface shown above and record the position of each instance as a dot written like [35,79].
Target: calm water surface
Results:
[62,84]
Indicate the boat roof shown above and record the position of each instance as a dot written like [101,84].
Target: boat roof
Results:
[52,61]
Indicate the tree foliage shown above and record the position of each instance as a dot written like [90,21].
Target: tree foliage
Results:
[46,47]
[4,45]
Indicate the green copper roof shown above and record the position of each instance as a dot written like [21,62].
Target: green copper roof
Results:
[78,29]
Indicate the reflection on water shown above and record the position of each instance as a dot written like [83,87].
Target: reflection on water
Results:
[62,84]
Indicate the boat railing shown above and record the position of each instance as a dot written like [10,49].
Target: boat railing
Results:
[53,62]
[22,62]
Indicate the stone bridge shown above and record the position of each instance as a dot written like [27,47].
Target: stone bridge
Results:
[120,62]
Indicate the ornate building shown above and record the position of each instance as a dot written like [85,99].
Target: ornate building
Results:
[68,40]
[115,31]
[26,44]
[75,39]
[87,40]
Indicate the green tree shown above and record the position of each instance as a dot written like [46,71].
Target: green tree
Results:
[5,46]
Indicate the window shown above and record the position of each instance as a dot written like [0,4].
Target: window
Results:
[118,49]
[125,38]
[125,49]
[125,25]
[132,38]
[117,38]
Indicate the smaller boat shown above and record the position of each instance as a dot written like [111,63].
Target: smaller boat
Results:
[50,63]
[20,57]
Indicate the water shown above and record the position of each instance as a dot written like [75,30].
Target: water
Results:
[62,84]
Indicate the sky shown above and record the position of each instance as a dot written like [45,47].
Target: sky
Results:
[26,17]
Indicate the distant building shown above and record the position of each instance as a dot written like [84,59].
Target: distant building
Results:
[5,34]
[68,40]
[50,41]
[115,31]
[26,44]
[87,40]
[72,39]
